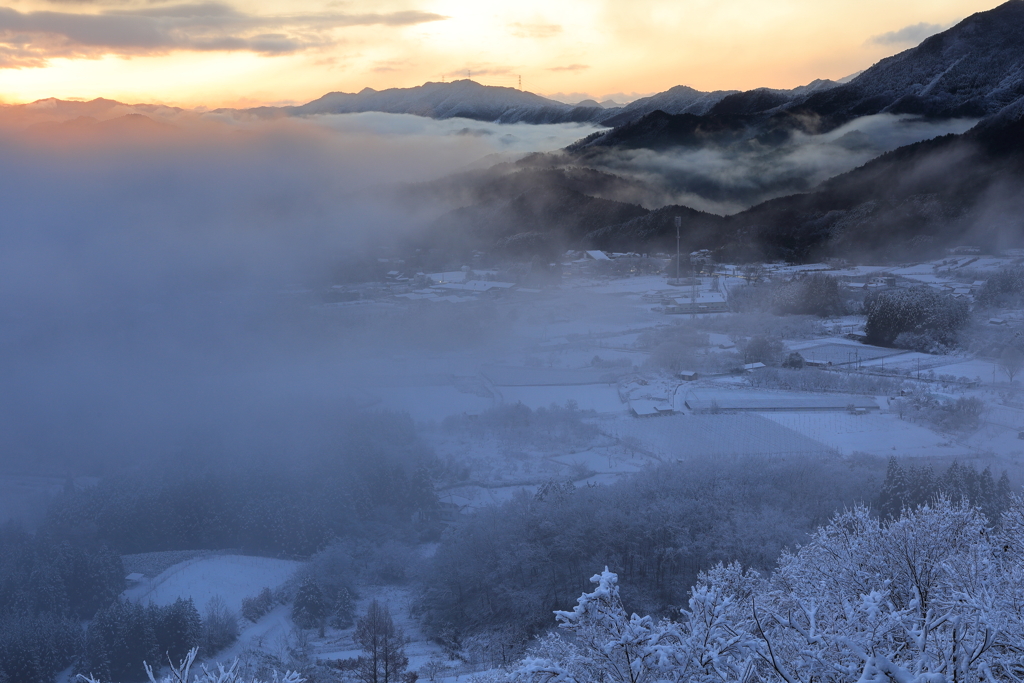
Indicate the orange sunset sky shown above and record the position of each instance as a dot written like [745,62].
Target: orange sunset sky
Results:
[274,51]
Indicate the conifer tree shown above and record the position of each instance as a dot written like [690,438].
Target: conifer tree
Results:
[310,609]
[894,491]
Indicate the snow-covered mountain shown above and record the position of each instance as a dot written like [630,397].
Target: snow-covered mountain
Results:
[471,100]
[465,99]
[53,110]
[971,70]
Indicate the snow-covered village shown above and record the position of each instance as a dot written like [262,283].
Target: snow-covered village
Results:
[595,412]
[470,343]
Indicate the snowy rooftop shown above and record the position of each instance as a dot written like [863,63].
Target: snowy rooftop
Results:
[475,285]
[648,408]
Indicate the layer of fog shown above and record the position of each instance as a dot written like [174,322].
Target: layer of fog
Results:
[158,289]
[725,180]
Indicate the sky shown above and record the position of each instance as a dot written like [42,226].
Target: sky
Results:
[242,53]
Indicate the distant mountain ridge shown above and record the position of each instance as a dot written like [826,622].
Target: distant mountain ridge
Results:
[463,99]
[970,70]
[918,199]
[471,100]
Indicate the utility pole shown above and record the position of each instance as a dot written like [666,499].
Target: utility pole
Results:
[678,223]
[693,289]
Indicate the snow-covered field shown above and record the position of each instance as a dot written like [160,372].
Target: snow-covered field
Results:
[229,577]
[874,433]
[977,368]
[726,435]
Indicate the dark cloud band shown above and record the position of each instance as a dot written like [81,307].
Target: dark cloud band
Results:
[32,38]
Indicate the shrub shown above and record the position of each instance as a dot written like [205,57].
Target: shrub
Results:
[255,607]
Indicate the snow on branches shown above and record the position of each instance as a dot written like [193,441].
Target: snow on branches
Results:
[610,646]
[934,596]
[180,674]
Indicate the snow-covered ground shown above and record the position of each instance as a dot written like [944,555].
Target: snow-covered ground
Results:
[679,437]
[550,359]
[600,397]
[399,601]
[873,433]
[229,577]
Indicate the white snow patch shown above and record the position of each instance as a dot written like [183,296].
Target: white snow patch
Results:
[231,577]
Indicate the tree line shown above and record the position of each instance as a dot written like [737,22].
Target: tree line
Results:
[47,587]
[372,485]
[504,569]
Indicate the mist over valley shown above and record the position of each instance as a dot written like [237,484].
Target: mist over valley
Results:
[458,382]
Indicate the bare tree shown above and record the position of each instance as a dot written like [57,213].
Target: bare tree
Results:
[1011,360]
[384,645]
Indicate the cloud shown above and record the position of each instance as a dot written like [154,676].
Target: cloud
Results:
[474,71]
[570,67]
[389,66]
[535,30]
[908,35]
[726,180]
[155,288]
[31,39]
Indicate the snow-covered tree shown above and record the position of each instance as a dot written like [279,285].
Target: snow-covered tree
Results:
[1011,360]
[609,646]
[310,608]
[221,674]
[923,317]
[933,596]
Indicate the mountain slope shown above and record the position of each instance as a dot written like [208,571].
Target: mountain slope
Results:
[914,201]
[531,211]
[971,70]
[953,189]
[678,100]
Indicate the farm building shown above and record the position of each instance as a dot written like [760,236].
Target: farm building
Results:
[648,408]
